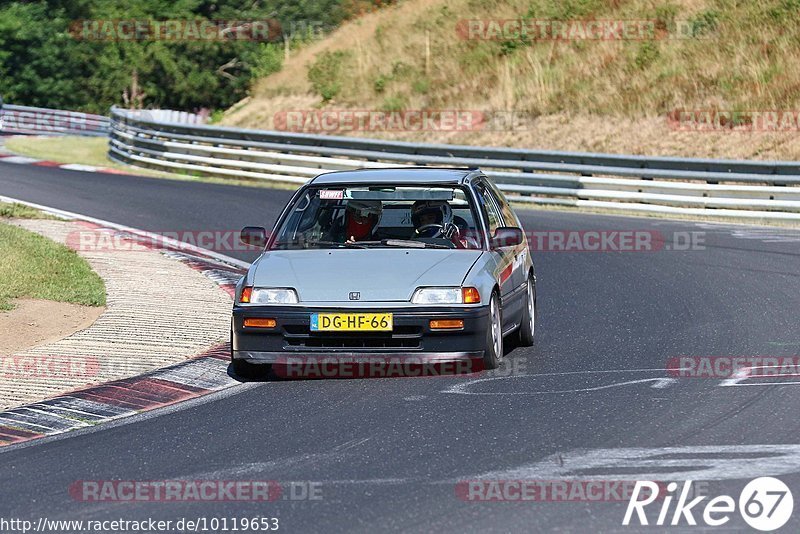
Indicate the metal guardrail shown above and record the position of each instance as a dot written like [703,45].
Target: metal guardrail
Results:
[25,120]
[713,188]
[169,115]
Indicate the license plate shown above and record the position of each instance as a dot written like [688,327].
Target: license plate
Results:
[351,322]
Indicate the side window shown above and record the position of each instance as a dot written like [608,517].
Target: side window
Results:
[494,218]
[508,214]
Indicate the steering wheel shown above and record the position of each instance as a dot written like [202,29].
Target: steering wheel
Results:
[439,230]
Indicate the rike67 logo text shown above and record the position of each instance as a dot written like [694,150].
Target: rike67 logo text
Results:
[765,504]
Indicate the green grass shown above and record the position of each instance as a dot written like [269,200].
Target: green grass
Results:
[67,149]
[36,267]
[20,211]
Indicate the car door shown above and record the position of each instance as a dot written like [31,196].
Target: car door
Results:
[503,257]
[519,275]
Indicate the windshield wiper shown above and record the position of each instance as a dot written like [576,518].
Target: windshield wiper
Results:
[407,243]
[335,244]
[398,243]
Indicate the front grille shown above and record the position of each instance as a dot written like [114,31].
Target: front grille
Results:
[301,337]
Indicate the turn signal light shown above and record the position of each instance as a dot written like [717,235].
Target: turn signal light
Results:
[470,295]
[447,324]
[247,292]
[253,322]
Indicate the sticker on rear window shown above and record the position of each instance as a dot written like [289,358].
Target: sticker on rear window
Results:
[331,194]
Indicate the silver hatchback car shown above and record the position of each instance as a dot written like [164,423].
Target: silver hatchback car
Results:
[425,263]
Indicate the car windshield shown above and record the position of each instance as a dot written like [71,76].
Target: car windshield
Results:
[380,217]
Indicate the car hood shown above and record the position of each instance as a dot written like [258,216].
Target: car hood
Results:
[379,275]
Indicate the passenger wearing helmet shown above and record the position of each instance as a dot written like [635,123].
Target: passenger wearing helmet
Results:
[433,218]
[361,218]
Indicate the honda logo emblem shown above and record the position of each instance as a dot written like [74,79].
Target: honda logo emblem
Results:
[355,295]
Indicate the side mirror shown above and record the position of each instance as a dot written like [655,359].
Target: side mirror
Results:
[506,236]
[255,236]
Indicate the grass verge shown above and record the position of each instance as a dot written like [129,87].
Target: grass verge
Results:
[36,267]
[21,211]
[66,149]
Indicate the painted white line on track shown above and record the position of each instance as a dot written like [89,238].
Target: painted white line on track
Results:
[658,383]
[664,383]
[72,422]
[703,462]
[20,159]
[744,374]
[97,409]
[78,167]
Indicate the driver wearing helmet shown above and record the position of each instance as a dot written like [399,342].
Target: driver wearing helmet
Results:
[361,218]
[433,218]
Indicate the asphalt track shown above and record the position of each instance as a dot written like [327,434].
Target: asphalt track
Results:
[388,453]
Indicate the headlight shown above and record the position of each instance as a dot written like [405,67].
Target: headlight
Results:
[263,295]
[446,295]
[437,295]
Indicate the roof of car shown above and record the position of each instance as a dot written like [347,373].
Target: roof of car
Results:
[399,175]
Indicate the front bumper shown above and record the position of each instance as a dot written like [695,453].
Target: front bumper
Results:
[411,339]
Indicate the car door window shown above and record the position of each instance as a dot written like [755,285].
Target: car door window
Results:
[509,217]
[494,217]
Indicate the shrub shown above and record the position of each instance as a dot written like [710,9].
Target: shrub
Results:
[326,73]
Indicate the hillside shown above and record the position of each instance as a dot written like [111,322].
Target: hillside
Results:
[608,95]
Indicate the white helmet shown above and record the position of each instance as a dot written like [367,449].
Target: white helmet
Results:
[443,218]
[365,208]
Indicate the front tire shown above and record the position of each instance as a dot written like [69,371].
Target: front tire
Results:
[494,335]
[527,327]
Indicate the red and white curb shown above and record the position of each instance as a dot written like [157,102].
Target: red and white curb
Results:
[198,376]
[25,160]
[121,398]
